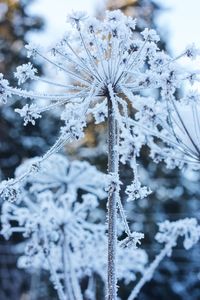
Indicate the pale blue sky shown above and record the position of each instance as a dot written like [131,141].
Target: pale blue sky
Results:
[55,13]
[181,20]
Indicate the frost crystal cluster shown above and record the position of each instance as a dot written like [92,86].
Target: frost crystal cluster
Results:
[168,234]
[58,214]
[108,59]
[109,72]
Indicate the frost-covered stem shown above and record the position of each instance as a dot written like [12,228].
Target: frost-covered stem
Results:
[71,282]
[148,273]
[113,159]
[123,216]
[66,262]
[56,281]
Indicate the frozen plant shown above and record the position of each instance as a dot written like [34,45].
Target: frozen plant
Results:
[178,129]
[168,234]
[58,214]
[110,68]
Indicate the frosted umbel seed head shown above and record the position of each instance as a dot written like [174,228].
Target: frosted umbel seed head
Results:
[25,72]
[104,59]
[28,113]
[187,228]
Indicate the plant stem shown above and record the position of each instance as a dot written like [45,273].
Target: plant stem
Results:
[56,281]
[66,262]
[113,166]
[71,281]
[148,273]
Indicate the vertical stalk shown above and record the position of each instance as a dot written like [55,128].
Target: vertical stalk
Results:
[113,166]
[72,286]
[56,281]
[148,273]
[66,263]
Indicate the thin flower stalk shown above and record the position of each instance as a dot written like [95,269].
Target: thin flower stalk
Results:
[113,170]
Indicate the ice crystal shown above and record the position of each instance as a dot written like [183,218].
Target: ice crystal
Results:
[8,193]
[4,93]
[192,51]
[136,191]
[186,228]
[25,72]
[29,113]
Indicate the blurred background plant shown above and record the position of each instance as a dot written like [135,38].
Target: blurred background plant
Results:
[176,194]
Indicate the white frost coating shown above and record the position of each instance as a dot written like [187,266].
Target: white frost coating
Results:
[29,114]
[60,227]
[25,72]
[169,232]
[186,124]
[113,195]
[4,93]
[109,67]
[95,54]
